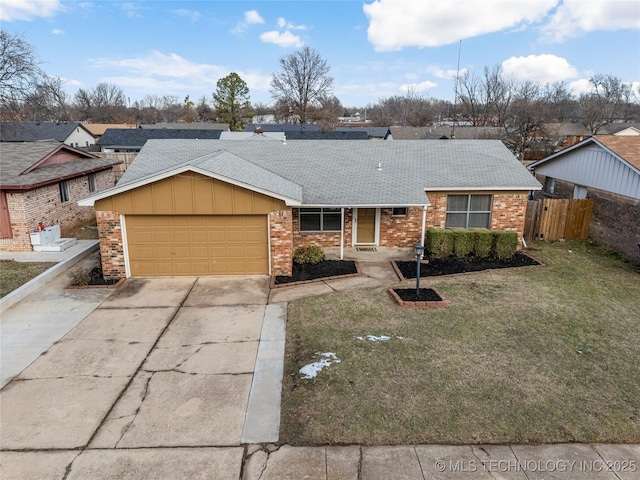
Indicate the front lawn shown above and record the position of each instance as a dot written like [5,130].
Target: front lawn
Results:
[15,274]
[524,355]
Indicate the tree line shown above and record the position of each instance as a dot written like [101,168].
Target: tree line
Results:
[302,92]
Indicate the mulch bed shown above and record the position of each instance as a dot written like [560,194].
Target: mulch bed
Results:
[97,278]
[447,266]
[426,295]
[325,269]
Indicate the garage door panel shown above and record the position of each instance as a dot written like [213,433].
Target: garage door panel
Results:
[197,245]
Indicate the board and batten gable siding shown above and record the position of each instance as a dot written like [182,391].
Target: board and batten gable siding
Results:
[190,194]
[592,166]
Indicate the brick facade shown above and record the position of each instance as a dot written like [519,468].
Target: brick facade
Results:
[111,245]
[29,208]
[508,210]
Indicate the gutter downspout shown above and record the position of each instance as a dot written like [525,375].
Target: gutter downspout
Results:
[424,223]
[342,233]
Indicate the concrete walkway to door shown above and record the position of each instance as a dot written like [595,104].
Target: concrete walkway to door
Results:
[164,370]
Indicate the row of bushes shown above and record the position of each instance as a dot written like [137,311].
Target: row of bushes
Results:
[470,242]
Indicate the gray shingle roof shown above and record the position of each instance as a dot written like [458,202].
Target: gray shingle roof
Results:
[187,126]
[137,137]
[345,173]
[281,127]
[36,131]
[361,135]
[378,132]
[16,158]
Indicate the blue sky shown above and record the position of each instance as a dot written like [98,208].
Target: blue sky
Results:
[376,49]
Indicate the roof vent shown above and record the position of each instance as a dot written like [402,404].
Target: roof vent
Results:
[380,166]
[257,131]
[284,139]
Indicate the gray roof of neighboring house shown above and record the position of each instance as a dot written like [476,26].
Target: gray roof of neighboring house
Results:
[187,126]
[341,173]
[378,132]
[416,133]
[278,136]
[137,137]
[37,131]
[282,127]
[16,158]
[327,136]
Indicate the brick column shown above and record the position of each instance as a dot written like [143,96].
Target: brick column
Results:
[111,244]
[280,231]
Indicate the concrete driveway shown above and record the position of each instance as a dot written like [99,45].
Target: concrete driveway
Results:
[174,372]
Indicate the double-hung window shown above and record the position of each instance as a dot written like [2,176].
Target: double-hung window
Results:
[468,211]
[64,191]
[320,219]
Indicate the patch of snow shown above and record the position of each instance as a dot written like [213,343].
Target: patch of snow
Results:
[312,369]
[379,338]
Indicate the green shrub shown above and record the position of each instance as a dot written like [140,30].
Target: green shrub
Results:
[505,244]
[308,255]
[439,243]
[483,243]
[463,242]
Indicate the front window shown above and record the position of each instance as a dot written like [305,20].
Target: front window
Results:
[64,191]
[468,211]
[399,212]
[92,182]
[319,219]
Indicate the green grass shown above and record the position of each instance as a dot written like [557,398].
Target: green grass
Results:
[529,355]
[15,274]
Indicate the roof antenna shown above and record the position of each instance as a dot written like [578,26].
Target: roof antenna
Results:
[455,97]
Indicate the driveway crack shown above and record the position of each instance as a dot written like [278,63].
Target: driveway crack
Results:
[135,414]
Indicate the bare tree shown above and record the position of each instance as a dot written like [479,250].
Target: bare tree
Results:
[19,74]
[104,103]
[485,100]
[326,115]
[48,101]
[204,112]
[303,80]
[608,100]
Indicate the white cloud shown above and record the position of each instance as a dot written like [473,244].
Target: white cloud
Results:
[282,23]
[28,9]
[131,9]
[57,31]
[445,74]
[284,39]
[251,17]
[575,17]
[418,87]
[543,68]
[580,86]
[193,15]
[161,73]
[395,24]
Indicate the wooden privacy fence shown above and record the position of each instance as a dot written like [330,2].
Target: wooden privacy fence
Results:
[556,218]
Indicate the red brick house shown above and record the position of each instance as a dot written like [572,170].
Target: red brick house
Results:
[201,207]
[41,183]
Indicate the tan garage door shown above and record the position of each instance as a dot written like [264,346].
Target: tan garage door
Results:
[197,244]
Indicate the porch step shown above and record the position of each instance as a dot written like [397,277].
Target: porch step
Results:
[59,245]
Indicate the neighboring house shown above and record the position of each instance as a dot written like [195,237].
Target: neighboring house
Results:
[41,183]
[628,131]
[202,207]
[607,169]
[98,129]
[281,127]
[565,134]
[327,136]
[224,127]
[416,133]
[132,140]
[374,133]
[249,135]
[73,134]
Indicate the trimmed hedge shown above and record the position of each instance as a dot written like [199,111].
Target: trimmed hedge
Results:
[308,255]
[470,242]
[463,243]
[439,243]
